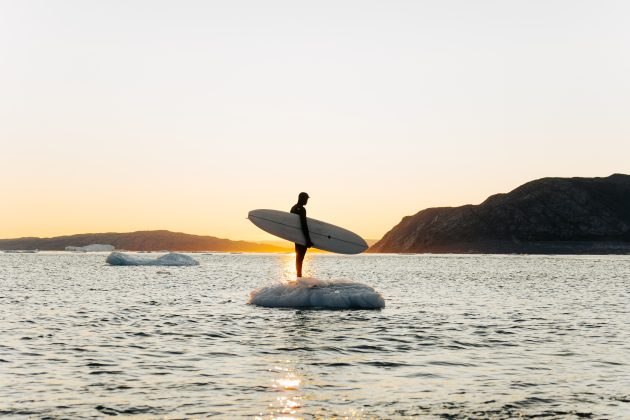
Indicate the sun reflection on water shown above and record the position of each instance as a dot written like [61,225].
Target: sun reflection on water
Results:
[289,273]
[294,392]
[288,384]
[286,406]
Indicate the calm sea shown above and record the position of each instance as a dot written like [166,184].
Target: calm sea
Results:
[460,337]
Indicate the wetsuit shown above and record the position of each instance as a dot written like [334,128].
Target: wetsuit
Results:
[300,250]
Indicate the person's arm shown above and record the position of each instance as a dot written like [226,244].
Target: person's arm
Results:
[307,235]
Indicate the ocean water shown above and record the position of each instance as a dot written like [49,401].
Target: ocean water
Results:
[459,337]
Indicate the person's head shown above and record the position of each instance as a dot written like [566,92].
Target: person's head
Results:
[303,198]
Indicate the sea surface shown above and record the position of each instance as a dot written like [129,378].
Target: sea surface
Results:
[460,337]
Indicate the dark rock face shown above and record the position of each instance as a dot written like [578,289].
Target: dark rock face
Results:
[549,215]
[155,240]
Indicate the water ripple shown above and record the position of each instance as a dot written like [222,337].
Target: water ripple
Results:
[461,337]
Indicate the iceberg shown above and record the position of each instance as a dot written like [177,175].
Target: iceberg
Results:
[171,259]
[308,292]
[91,248]
[21,251]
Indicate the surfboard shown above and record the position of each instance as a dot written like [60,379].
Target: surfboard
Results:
[325,236]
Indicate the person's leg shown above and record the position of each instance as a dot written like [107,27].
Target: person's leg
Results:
[300,252]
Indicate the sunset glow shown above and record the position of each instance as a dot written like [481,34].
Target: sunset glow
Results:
[159,116]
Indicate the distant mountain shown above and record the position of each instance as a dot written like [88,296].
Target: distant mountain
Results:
[154,240]
[549,215]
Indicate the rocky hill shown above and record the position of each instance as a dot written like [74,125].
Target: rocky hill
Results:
[549,215]
[155,240]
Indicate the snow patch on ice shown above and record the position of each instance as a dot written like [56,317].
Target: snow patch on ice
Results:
[309,292]
[173,258]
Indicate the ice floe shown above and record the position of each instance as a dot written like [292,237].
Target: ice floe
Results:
[91,248]
[308,292]
[173,258]
[21,251]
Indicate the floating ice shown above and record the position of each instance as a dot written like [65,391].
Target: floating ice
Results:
[21,251]
[91,248]
[173,258]
[310,292]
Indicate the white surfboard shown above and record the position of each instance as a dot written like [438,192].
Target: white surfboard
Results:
[325,236]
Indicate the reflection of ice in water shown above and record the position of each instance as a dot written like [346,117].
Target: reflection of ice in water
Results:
[309,292]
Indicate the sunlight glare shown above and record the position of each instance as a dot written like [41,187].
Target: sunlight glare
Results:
[289,383]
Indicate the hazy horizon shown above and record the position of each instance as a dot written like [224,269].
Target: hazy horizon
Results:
[269,240]
[266,238]
[149,115]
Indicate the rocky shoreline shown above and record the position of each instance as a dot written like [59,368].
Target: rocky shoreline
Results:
[545,216]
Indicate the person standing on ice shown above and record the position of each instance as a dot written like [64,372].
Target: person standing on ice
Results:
[300,250]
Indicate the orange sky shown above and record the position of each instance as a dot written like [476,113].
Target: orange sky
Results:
[151,115]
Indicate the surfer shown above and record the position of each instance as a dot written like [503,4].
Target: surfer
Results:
[300,250]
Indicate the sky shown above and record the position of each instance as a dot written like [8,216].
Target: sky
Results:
[184,115]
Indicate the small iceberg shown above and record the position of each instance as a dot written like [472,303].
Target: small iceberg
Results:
[21,251]
[310,292]
[173,259]
[91,248]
